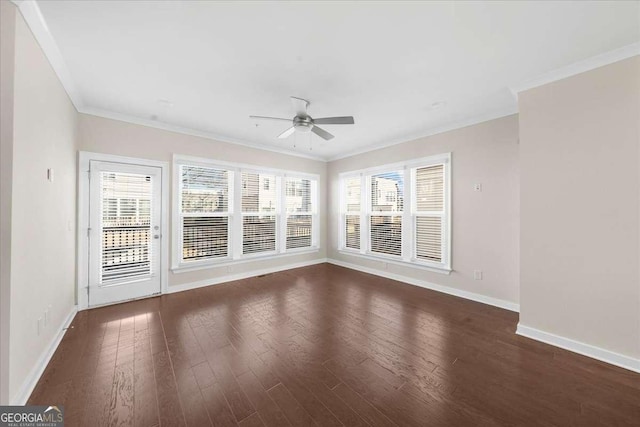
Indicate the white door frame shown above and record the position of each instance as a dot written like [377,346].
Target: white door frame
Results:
[82,277]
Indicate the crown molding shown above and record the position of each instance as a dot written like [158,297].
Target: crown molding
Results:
[35,21]
[578,67]
[192,132]
[458,124]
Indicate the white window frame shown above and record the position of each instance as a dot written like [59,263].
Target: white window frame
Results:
[344,212]
[409,215]
[235,255]
[285,215]
[369,213]
[229,214]
[276,213]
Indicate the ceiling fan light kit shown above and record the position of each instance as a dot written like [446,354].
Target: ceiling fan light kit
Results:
[302,122]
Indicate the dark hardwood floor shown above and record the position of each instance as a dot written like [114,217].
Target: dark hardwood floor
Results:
[323,345]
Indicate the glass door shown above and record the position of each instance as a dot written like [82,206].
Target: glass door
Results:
[124,232]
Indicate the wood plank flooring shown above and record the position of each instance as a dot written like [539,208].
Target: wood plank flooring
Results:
[323,345]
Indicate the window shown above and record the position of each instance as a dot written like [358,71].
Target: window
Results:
[204,211]
[429,212]
[228,212]
[299,212]
[258,213]
[399,212]
[386,213]
[352,212]
[126,249]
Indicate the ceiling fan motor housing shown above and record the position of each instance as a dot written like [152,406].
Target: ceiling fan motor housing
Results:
[303,124]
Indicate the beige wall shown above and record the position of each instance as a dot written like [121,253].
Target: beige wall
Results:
[580,214]
[7,41]
[100,135]
[484,224]
[43,212]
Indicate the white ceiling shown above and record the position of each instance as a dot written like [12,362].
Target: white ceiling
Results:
[385,63]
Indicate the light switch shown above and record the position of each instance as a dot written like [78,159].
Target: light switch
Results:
[50,174]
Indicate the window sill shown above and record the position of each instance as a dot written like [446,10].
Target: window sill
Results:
[434,269]
[185,268]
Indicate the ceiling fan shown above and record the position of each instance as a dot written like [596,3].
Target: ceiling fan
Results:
[303,122]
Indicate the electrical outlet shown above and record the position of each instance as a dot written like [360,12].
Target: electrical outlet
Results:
[477,186]
[477,274]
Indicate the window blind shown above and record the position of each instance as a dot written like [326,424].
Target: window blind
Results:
[299,212]
[352,231]
[259,202]
[126,226]
[386,234]
[352,191]
[429,238]
[430,188]
[204,201]
[204,237]
[386,213]
[429,212]
[399,211]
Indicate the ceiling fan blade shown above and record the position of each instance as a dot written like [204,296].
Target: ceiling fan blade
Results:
[287,133]
[300,106]
[347,120]
[321,133]
[268,118]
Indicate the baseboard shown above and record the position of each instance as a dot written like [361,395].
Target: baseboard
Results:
[588,350]
[32,379]
[242,275]
[507,305]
